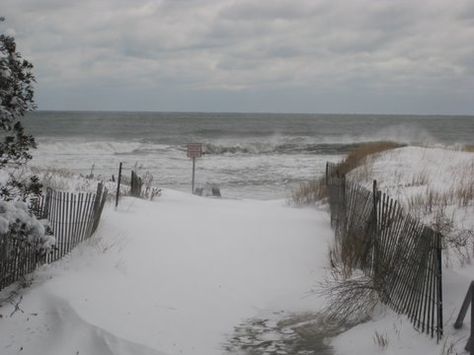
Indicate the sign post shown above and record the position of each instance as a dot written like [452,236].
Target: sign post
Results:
[194,151]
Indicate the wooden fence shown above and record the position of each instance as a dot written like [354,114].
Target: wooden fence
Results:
[136,184]
[73,217]
[402,256]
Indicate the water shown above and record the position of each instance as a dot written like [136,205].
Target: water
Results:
[259,156]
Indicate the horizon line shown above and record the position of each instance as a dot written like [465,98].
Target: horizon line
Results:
[256,112]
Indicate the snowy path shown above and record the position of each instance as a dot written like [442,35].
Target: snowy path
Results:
[175,276]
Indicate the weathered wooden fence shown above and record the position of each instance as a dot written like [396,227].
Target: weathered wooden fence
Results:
[402,256]
[17,258]
[73,217]
[136,184]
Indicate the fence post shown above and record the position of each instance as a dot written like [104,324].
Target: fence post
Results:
[47,203]
[118,185]
[470,343]
[327,172]
[439,308]
[375,246]
[462,313]
[98,196]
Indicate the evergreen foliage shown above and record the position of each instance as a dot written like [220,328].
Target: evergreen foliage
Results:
[16,99]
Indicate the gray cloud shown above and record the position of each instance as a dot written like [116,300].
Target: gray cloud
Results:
[269,55]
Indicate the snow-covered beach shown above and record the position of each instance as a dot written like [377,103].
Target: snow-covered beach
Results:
[177,275]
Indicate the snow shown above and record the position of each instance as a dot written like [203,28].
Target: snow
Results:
[403,171]
[177,275]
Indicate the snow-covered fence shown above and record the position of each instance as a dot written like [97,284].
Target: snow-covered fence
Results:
[73,217]
[402,256]
[17,258]
[140,186]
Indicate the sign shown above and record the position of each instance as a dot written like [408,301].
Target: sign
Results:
[194,150]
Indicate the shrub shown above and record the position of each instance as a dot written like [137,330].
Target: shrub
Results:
[18,222]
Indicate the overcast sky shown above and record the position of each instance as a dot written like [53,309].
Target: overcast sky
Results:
[359,56]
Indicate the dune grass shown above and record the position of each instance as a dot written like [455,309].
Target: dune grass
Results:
[310,192]
[360,154]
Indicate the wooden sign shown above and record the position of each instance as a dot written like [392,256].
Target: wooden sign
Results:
[194,150]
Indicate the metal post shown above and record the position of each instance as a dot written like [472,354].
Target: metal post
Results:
[118,185]
[194,168]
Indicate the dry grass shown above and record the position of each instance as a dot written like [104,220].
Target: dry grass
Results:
[469,148]
[430,201]
[359,155]
[348,299]
[424,203]
[309,192]
[419,179]
[52,171]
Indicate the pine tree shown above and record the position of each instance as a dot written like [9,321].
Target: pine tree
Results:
[16,99]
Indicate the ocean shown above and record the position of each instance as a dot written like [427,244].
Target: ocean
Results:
[248,155]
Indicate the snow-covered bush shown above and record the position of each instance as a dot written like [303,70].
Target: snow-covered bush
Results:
[17,222]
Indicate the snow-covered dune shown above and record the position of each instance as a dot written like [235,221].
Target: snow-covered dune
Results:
[50,325]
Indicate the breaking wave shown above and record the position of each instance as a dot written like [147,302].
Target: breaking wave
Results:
[284,148]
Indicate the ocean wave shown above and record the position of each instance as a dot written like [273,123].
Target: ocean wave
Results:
[245,145]
[86,148]
[283,148]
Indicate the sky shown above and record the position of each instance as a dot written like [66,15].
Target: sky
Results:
[309,56]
